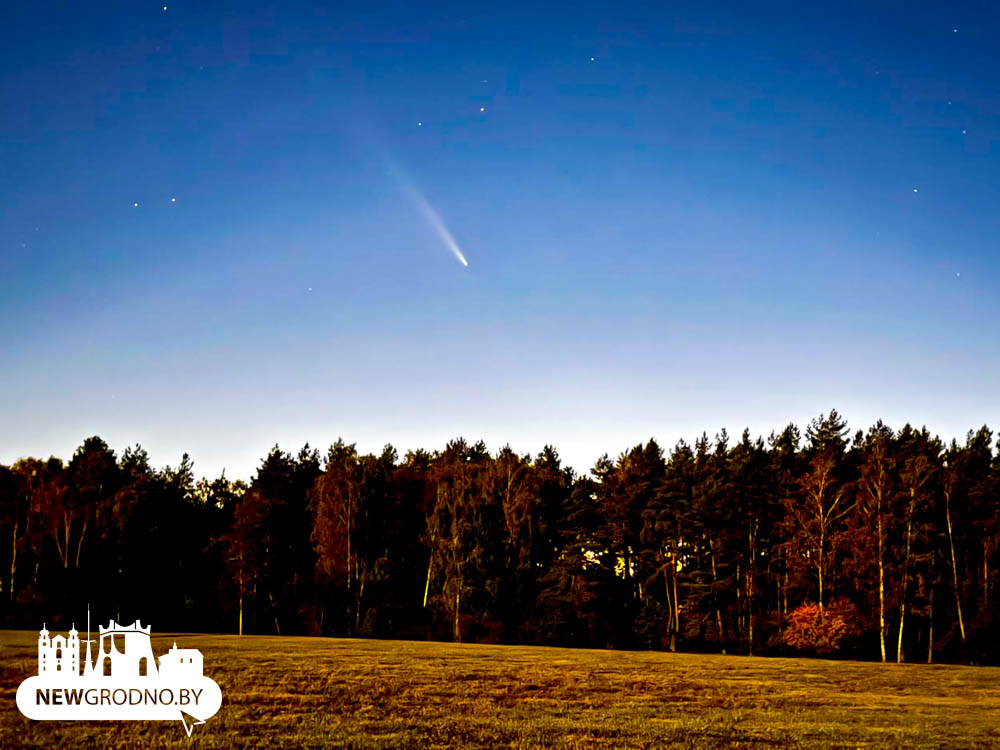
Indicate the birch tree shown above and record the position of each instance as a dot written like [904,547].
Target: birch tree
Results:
[875,500]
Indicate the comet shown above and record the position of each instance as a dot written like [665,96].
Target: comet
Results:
[424,208]
[433,218]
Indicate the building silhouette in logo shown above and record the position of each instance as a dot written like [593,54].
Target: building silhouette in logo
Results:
[58,655]
[181,662]
[125,652]
[122,681]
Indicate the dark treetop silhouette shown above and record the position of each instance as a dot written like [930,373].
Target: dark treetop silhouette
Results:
[879,546]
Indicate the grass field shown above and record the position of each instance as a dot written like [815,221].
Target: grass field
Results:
[312,692]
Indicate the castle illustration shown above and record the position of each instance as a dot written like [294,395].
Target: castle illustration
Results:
[124,653]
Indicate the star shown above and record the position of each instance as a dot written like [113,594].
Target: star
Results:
[963,132]
[310,289]
[164,7]
[954,31]
[957,275]
[915,190]
[482,109]
[592,59]
[173,200]
[420,124]
[135,205]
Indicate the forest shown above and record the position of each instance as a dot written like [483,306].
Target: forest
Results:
[879,546]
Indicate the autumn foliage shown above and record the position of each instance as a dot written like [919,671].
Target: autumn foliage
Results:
[707,546]
[815,630]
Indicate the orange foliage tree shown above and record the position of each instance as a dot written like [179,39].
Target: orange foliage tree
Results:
[816,630]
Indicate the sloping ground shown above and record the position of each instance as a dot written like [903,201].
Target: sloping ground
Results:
[312,692]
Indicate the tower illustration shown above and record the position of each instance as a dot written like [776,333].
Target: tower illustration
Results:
[59,655]
[125,651]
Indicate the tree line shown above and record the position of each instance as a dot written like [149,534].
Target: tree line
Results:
[882,545]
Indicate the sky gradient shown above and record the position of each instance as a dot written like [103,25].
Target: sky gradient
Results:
[677,217]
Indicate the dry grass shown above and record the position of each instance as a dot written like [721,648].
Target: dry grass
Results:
[312,692]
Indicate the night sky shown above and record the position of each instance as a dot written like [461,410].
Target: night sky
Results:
[226,225]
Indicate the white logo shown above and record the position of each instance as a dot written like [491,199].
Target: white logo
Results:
[124,683]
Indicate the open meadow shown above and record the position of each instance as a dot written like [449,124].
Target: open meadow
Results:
[319,692]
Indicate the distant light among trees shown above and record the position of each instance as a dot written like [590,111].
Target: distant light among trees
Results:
[882,545]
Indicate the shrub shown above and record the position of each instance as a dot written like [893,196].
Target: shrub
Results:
[815,631]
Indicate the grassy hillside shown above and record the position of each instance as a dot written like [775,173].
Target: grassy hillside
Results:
[310,692]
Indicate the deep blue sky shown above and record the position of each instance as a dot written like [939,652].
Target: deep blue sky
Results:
[731,216]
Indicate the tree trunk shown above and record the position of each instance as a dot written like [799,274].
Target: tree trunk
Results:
[240,584]
[881,584]
[677,613]
[274,610]
[63,548]
[819,567]
[456,625]
[986,573]
[930,630]
[357,604]
[784,590]
[79,544]
[347,550]
[13,563]
[752,566]
[670,609]
[906,579]
[899,641]
[715,596]
[954,566]
[738,579]
[427,583]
